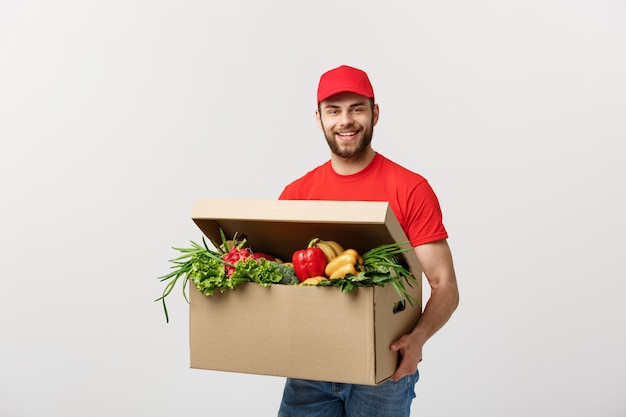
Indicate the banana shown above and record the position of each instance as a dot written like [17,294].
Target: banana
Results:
[329,252]
[330,248]
[336,246]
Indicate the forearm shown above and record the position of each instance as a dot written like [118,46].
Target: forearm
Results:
[436,260]
[443,301]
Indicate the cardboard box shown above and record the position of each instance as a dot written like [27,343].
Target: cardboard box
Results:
[317,333]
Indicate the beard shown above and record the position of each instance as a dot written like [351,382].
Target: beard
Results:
[353,148]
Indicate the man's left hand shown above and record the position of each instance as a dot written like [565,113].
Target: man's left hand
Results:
[410,355]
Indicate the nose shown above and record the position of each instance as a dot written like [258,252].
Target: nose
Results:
[345,118]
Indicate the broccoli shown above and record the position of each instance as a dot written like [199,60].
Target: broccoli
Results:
[289,274]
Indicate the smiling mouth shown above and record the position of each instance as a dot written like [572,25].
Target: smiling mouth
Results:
[347,135]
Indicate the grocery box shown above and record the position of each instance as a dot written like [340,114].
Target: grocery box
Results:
[318,333]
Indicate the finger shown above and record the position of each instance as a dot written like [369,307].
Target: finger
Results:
[399,374]
[397,345]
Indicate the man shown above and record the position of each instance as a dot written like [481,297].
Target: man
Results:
[347,113]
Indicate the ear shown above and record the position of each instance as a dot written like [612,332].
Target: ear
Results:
[375,115]
[318,119]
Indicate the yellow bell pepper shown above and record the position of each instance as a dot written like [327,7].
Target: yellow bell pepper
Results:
[312,281]
[343,264]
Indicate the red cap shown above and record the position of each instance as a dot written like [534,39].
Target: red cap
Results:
[344,79]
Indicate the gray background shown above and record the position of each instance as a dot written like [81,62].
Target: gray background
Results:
[115,116]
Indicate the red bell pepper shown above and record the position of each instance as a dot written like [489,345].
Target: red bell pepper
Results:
[309,262]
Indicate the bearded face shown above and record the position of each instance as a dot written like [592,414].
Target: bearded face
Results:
[348,124]
[349,141]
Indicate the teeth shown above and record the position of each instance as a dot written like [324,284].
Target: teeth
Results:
[347,134]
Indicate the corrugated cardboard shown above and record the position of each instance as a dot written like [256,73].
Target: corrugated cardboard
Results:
[315,333]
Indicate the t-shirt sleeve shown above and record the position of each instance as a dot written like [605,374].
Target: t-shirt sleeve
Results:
[288,193]
[425,219]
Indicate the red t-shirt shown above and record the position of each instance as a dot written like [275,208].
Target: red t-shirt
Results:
[410,196]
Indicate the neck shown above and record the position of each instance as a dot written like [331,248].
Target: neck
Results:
[349,166]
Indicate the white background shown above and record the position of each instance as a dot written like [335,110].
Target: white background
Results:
[116,115]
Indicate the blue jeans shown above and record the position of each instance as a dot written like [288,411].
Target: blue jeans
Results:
[303,398]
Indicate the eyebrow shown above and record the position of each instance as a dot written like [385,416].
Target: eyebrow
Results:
[335,106]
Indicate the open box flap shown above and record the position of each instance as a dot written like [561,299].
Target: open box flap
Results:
[281,227]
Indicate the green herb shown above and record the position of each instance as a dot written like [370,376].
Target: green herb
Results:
[204,267]
[217,270]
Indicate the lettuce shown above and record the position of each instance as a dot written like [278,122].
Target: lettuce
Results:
[261,271]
